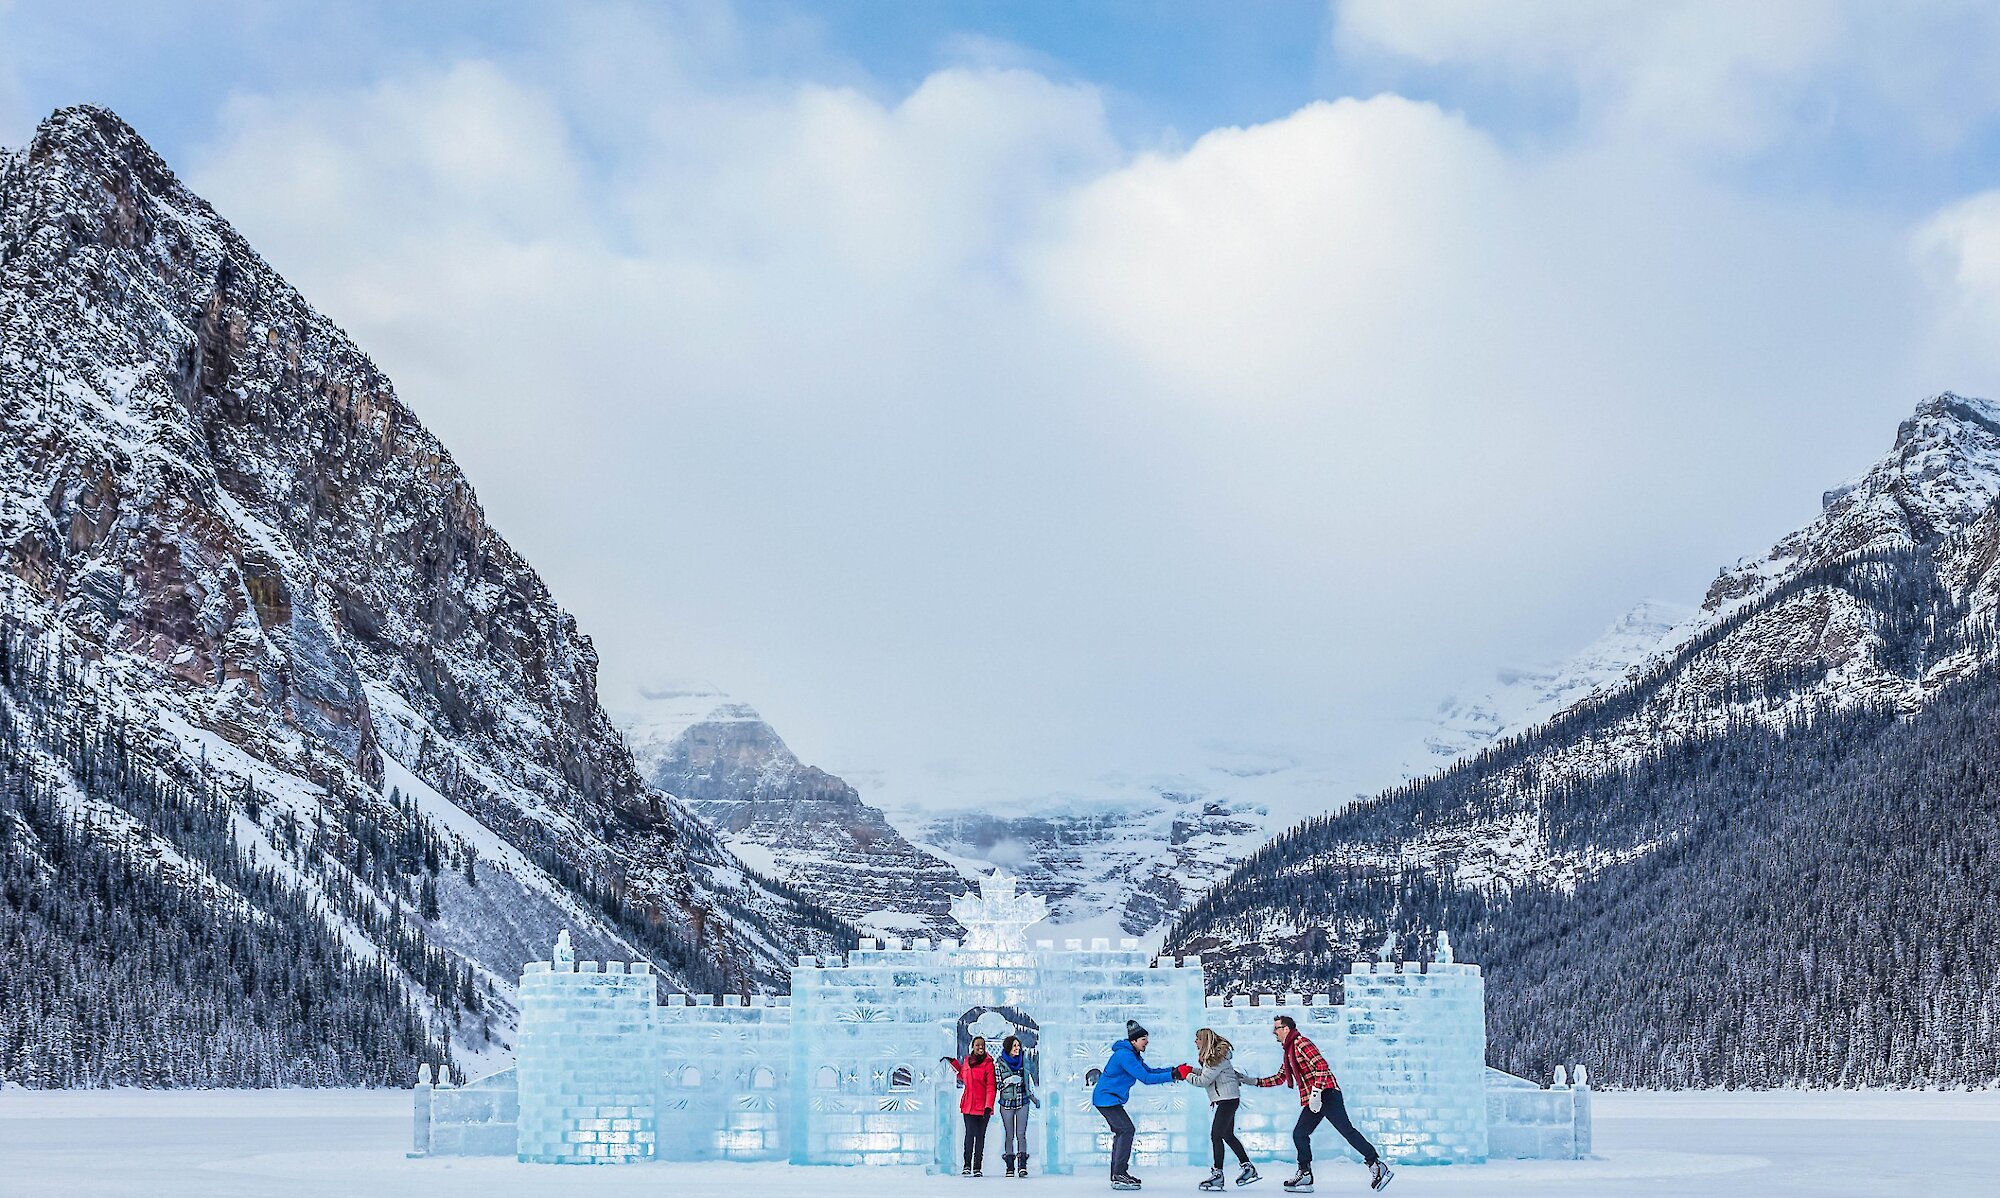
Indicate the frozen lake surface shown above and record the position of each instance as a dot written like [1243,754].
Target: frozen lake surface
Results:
[225,1144]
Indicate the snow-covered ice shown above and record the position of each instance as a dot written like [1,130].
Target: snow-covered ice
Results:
[251,1144]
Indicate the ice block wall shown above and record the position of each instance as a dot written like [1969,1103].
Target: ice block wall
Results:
[1526,1122]
[1264,1120]
[1412,1064]
[587,1061]
[866,1035]
[1090,993]
[478,1119]
[725,1077]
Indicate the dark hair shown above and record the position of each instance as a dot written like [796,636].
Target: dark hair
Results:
[1290,1023]
[1014,1040]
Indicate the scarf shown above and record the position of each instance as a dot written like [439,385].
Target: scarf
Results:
[1014,1062]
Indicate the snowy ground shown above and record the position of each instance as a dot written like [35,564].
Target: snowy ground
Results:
[351,1144]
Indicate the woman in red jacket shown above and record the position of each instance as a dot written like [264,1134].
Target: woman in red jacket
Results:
[975,1104]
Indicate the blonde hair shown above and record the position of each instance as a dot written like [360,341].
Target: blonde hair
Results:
[1211,1047]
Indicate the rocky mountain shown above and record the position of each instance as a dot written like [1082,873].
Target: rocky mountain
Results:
[1756,858]
[1116,855]
[226,537]
[793,821]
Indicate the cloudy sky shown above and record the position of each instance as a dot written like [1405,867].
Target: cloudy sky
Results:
[1087,383]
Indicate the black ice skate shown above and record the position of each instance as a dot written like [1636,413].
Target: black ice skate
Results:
[1380,1175]
[1214,1182]
[1301,1182]
[1248,1175]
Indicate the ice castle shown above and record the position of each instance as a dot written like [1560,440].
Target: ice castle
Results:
[845,1070]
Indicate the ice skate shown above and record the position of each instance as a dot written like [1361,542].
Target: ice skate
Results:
[1301,1182]
[1214,1181]
[1380,1175]
[1248,1175]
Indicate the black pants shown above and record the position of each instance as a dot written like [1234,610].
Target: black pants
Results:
[1333,1109]
[975,1140]
[1223,1131]
[1122,1133]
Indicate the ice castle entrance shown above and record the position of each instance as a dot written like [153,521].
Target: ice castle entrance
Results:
[996,1024]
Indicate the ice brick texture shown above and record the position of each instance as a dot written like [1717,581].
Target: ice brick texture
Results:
[1093,991]
[1408,1050]
[1413,1059]
[480,1119]
[587,1062]
[1526,1122]
[1264,1120]
[725,1074]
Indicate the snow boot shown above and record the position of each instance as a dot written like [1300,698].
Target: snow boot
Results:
[965,1172]
[1010,1164]
[1380,1175]
[1248,1175]
[1022,1167]
[1124,1181]
[1214,1182]
[1301,1182]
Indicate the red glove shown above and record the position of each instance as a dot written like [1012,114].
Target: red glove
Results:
[1181,1072]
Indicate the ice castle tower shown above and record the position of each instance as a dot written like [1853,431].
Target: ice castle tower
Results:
[845,1069]
[587,1060]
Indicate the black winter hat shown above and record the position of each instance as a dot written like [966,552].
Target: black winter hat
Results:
[1133,1031]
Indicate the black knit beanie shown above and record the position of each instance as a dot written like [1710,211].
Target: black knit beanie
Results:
[1133,1031]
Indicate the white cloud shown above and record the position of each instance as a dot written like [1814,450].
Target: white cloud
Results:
[1712,74]
[942,426]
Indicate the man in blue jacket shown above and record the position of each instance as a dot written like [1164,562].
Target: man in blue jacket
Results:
[1114,1086]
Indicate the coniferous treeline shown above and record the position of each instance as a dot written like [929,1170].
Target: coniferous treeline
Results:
[1812,899]
[1821,907]
[158,952]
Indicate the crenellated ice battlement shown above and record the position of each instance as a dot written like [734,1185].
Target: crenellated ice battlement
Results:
[845,1069]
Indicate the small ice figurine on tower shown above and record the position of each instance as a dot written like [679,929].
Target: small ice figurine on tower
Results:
[998,920]
[563,958]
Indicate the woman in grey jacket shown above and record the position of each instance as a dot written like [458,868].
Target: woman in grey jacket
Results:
[1219,1076]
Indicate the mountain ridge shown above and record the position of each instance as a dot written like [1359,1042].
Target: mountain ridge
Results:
[220,504]
[1884,603]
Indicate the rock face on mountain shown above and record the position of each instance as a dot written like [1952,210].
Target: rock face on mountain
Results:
[211,494]
[1789,765]
[796,822]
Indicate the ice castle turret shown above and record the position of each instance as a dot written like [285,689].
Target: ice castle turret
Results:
[1413,1057]
[845,1069]
[587,1059]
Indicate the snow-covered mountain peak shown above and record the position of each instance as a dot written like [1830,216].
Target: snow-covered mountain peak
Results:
[213,496]
[1517,698]
[1941,474]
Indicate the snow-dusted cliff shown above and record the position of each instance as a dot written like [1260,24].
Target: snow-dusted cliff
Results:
[1883,599]
[211,494]
[794,821]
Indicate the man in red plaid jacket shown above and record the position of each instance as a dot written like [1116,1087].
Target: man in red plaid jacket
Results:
[1319,1099]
